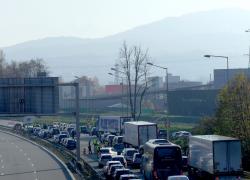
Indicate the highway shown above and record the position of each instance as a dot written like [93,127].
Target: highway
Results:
[22,160]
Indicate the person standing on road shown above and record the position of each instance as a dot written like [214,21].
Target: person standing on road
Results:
[90,150]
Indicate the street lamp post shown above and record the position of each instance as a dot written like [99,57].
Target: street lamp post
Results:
[225,57]
[166,95]
[248,30]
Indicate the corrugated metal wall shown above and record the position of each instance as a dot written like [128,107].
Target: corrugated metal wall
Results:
[29,95]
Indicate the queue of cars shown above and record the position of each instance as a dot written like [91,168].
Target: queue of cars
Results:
[62,134]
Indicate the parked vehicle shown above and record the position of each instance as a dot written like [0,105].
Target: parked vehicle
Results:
[180,177]
[119,148]
[214,156]
[53,131]
[109,139]
[136,162]
[112,124]
[112,170]
[139,132]
[128,176]
[59,137]
[43,133]
[162,133]
[119,172]
[161,160]
[121,159]
[84,130]
[108,164]
[104,158]
[70,143]
[107,150]
[118,140]
[128,154]
[93,131]
[36,130]
[104,136]
[181,134]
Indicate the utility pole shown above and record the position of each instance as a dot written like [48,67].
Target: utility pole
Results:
[77,113]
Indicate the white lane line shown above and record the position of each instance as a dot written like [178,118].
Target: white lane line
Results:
[20,150]
[32,164]
[2,166]
[1,160]
[25,154]
[2,174]
[28,159]
[12,143]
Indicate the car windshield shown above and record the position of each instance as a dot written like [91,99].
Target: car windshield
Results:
[106,157]
[131,152]
[104,151]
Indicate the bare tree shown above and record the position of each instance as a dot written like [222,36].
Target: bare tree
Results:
[24,69]
[133,62]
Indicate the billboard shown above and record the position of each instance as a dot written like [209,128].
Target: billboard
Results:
[24,96]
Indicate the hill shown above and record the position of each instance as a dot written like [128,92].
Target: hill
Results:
[176,42]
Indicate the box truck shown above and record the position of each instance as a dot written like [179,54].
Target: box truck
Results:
[111,124]
[214,156]
[137,133]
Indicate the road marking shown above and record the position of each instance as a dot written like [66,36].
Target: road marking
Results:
[34,172]
[2,174]
[0,155]
[2,166]
[16,146]
[1,160]
[25,154]
[28,159]
[20,150]
[32,164]
[12,143]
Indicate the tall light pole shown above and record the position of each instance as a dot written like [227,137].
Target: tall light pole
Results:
[166,95]
[224,57]
[111,74]
[248,30]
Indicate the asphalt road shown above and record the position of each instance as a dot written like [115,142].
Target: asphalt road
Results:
[21,160]
[92,159]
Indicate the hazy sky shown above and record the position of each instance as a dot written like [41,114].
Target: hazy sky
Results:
[23,20]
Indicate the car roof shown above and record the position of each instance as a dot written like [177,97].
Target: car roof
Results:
[129,175]
[118,156]
[106,155]
[109,162]
[122,169]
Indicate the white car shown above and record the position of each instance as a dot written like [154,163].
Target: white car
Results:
[104,158]
[108,164]
[107,150]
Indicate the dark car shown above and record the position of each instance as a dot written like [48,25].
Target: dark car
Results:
[136,162]
[84,130]
[54,131]
[70,144]
[119,148]
[162,134]
[93,131]
[119,172]
[128,176]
